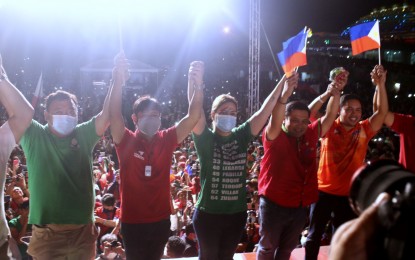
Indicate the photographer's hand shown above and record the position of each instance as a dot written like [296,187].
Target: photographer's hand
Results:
[352,238]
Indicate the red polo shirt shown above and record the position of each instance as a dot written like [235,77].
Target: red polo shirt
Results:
[288,174]
[145,195]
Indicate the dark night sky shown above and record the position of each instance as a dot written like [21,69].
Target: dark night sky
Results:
[158,37]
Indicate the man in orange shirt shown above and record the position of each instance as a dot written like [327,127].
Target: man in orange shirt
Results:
[343,151]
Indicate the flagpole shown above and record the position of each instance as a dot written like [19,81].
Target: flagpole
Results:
[120,42]
[379,57]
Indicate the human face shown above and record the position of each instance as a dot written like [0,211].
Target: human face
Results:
[296,122]
[60,107]
[229,109]
[148,122]
[17,193]
[350,113]
[109,208]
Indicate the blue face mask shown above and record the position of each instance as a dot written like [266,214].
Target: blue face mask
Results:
[225,123]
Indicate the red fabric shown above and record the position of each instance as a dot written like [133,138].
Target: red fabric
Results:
[145,199]
[110,216]
[404,125]
[289,169]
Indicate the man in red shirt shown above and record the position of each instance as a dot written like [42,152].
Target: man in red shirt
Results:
[288,179]
[145,158]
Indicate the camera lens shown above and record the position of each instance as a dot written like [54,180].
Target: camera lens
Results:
[380,176]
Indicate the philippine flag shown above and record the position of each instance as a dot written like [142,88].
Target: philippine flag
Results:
[365,37]
[294,52]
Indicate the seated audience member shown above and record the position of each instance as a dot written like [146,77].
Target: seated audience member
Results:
[106,216]
[19,228]
[175,247]
[191,249]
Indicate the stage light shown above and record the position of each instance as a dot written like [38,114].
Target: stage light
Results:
[226,29]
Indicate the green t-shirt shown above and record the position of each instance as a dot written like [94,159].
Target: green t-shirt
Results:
[223,170]
[60,174]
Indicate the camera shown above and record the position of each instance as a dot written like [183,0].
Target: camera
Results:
[396,218]
[114,243]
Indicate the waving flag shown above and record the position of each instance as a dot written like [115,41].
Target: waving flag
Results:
[365,37]
[293,54]
[38,92]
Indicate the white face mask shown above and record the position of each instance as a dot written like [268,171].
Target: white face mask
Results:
[225,123]
[149,125]
[64,124]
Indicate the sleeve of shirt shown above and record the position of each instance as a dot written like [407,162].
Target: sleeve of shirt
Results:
[368,128]
[170,135]
[7,140]
[87,131]
[31,132]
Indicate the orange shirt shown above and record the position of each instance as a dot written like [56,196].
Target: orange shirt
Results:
[342,153]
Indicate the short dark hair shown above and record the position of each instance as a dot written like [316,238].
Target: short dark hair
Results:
[60,95]
[176,246]
[189,229]
[108,199]
[145,103]
[347,97]
[296,105]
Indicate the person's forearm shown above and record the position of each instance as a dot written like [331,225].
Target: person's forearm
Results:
[317,103]
[382,99]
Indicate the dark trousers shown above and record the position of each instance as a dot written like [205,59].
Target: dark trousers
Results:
[145,241]
[280,229]
[328,206]
[218,235]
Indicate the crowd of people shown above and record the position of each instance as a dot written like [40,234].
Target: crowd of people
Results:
[179,187]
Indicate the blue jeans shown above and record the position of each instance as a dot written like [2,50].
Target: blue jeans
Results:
[218,235]
[320,214]
[280,229]
[145,241]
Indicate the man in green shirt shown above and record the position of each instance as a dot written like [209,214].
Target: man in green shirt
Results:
[59,162]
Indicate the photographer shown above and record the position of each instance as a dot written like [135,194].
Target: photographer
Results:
[353,239]
[111,248]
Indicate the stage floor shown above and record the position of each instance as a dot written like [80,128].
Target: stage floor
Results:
[297,254]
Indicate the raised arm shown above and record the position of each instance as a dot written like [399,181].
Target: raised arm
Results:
[19,110]
[192,121]
[332,108]
[260,117]
[273,129]
[119,76]
[378,75]
[338,83]
[390,117]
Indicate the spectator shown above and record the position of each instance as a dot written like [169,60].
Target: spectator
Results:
[290,142]
[20,112]
[19,228]
[111,248]
[175,247]
[191,249]
[145,160]
[106,216]
[220,215]
[59,159]
[343,151]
